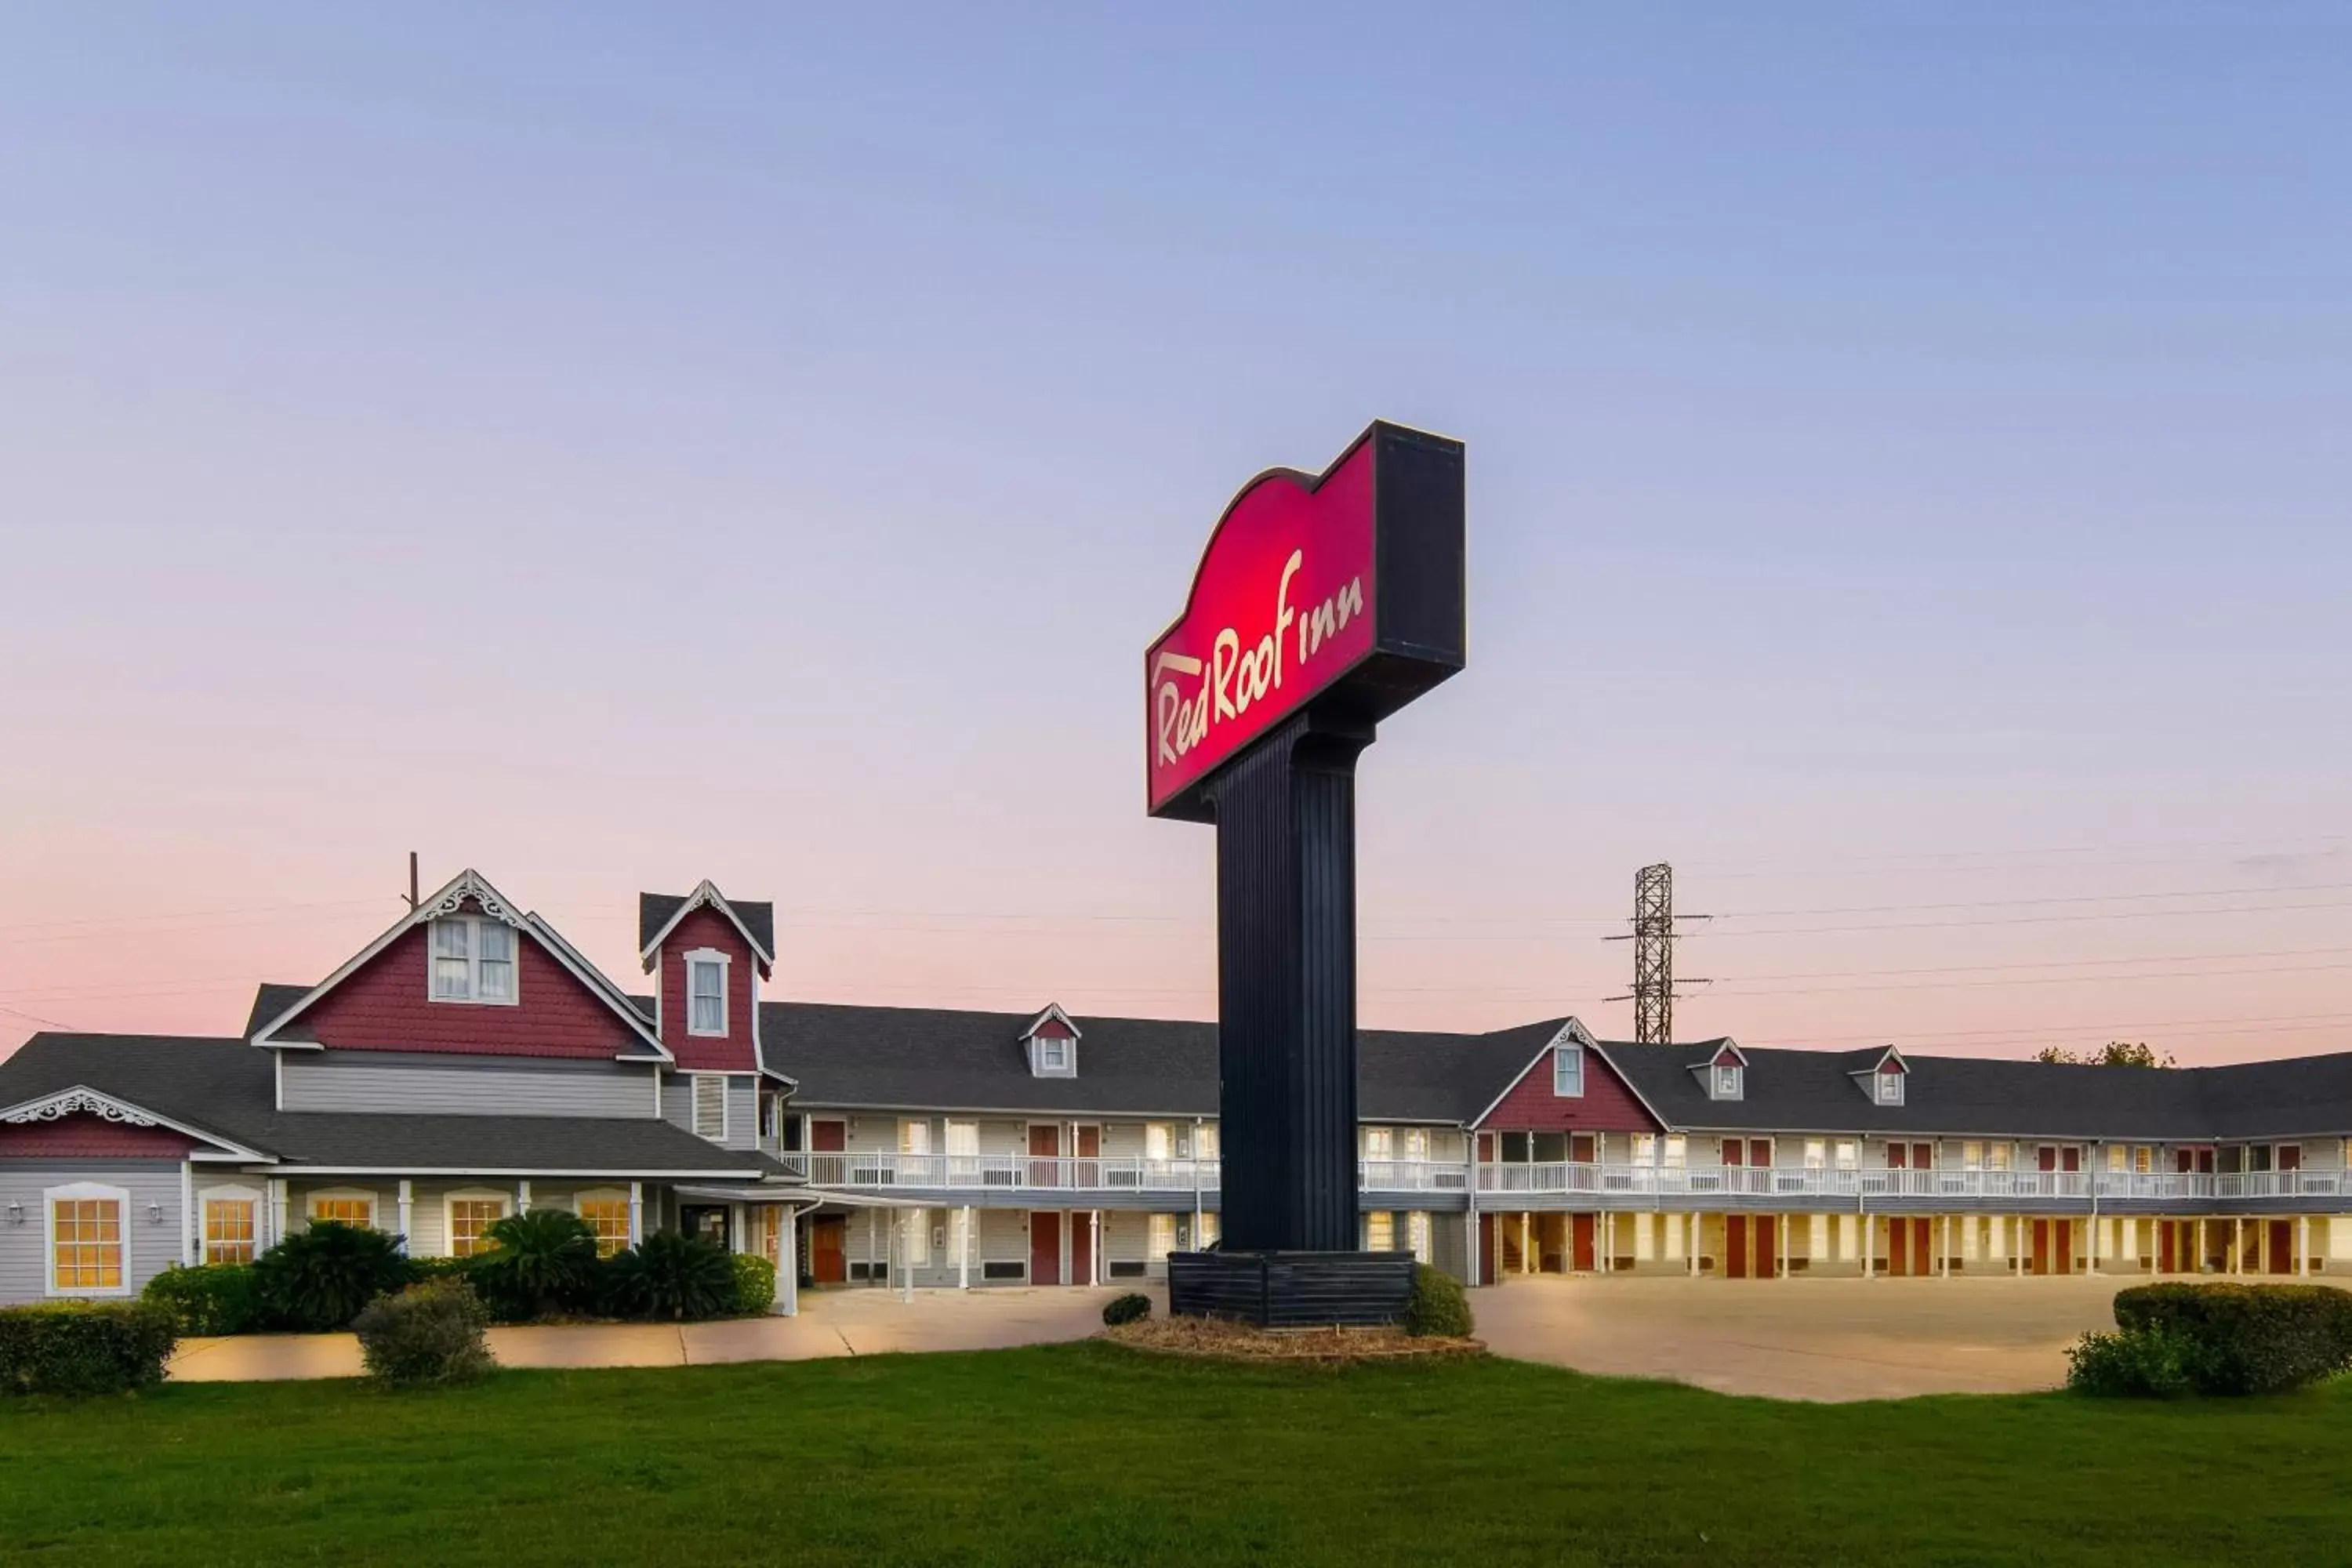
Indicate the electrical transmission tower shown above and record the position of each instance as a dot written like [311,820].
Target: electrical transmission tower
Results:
[1653,937]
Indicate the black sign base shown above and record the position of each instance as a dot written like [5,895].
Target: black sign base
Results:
[1292,1290]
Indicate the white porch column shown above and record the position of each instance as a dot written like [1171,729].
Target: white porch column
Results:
[2303,1244]
[407,1206]
[1470,1218]
[964,1247]
[522,1196]
[1869,1247]
[1094,1247]
[190,1221]
[1690,1241]
[905,1227]
[277,1208]
[636,1212]
[788,1271]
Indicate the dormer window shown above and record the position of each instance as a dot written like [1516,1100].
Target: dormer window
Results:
[1727,1080]
[706,992]
[1568,1072]
[1890,1088]
[473,959]
[1053,1054]
[1053,1043]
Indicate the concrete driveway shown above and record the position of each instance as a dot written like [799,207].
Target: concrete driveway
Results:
[1803,1339]
[830,1323]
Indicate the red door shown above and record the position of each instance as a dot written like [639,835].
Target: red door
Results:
[829,1137]
[1082,1247]
[1044,1148]
[1581,1228]
[1488,1244]
[1735,1247]
[2070,1160]
[2166,1258]
[828,1258]
[1922,1246]
[2041,1244]
[1767,1246]
[1044,1248]
[2061,1235]
[1580,1148]
[2279,1256]
[2049,1157]
[1090,1171]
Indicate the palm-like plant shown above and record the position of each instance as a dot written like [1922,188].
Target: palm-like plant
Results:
[673,1276]
[540,1262]
[319,1279]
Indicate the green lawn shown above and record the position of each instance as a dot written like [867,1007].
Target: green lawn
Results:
[1088,1453]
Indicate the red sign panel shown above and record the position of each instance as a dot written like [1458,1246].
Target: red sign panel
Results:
[1343,592]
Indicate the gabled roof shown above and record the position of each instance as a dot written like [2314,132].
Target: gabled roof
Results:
[469,886]
[1053,1014]
[81,1099]
[659,914]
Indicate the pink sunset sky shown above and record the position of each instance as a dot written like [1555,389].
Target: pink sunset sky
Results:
[1906,494]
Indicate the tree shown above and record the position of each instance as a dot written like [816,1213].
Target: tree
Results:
[2114,1054]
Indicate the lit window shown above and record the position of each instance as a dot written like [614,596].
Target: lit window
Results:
[1997,1157]
[1416,1142]
[469,1225]
[1677,1150]
[1890,1089]
[1210,1228]
[228,1230]
[86,1242]
[914,1137]
[2118,1158]
[355,1209]
[1568,1072]
[919,1238]
[710,1106]
[1163,1236]
[1380,1143]
[706,993]
[473,959]
[1848,1154]
[1159,1140]
[2144,1160]
[1380,1231]
[1726,1082]
[1645,1148]
[1204,1141]
[1972,1155]
[1817,1153]
[606,1214]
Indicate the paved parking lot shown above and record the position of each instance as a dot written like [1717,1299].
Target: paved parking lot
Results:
[1803,1339]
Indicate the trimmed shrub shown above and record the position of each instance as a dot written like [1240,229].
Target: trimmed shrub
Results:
[1127,1309]
[2134,1364]
[85,1347]
[755,1284]
[541,1262]
[672,1275]
[2246,1339]
[209,1299]
[427,1335]
[1439,1307]
[421,1270]
[319,1279]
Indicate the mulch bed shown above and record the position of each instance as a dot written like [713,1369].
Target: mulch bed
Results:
[1241,1341]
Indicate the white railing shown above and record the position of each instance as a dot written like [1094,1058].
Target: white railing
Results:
[1830,1184]
[2281,1184]
[1411,1176]
[1028,1173]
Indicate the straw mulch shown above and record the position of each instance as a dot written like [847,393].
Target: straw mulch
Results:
[1240,1342]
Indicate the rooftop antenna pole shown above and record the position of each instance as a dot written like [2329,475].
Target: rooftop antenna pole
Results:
[1653,937]
[412,881]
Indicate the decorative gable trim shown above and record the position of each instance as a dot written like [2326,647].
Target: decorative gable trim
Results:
[707,896]
[470,885]
[1890,1063]
[1053,1014]
[1051,1027]
[83,1101]
[1728,1064]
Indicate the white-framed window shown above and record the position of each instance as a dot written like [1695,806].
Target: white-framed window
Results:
[473,960]
[1996,1156]
[469,1216]
[1054,1056]
[1890,1088]
[342,1206]
[914,1136]
[2143,1159]
[230,1216]
[88,1244]
[1416,1231]
[706,992]
[1678,1150]
[2118,1158]
[1204,1141]
[1159,1140]
[1416,1142]
[963,1153]
[1728,1079]
[1212,1226]
[1645,1148]
[1380,1231]
[1972,1154]
[919,1238]
[606,1212]
[1848,1154]
[1380,1143]
[1162,1238]
[1817,1153]
[1567,1071]
[709,1105]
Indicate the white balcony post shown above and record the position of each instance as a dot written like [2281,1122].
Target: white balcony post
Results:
[1690,1240]
[905,1254]
[788,1284]
[522,1196]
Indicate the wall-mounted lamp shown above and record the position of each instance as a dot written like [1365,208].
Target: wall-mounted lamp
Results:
[154,1214]
[16,1213]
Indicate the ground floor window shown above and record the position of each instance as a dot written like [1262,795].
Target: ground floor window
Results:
[1380,1231]
[344,1208]
[919,1238]
[86,1249]
[229,1229]
[1163,1236]
[606,1214]
[470,1219]
[1210,1230]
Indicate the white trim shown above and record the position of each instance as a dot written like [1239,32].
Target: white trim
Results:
[1562,1052]
[725,975]
[84,1191]
[456,1196]
[1053,1011]
[706,894]
[82,1099]
[300,1173]
[474,926]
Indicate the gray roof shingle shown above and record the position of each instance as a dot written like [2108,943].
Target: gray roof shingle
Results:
[656,910]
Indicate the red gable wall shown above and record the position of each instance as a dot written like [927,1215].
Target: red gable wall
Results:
[383,1006]
[708,1053]
[82,1136]
[1606,1105]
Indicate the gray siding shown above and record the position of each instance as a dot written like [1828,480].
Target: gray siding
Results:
[742,1107]
[149,1247]
[390,1081]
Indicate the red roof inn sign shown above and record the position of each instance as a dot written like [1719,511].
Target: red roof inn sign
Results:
[1342,591]
[1322,604]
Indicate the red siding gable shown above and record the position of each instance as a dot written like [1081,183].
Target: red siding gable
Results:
[1607,1105]
[707,928]
[82,1136]
[383,1006]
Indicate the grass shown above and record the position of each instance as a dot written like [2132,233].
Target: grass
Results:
[1089,1453]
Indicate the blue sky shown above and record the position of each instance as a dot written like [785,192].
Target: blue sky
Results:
[611,446]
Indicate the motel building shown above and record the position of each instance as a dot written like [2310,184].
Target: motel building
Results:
[469,1063]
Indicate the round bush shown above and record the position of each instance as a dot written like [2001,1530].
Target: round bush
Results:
[2136,1363]
[541,1263]
[1127,1309]
[426,1335]
[2246,1339]
[84,1347]
[1440,1307]
[319,1279]
[210,1299]
[755,1285]
[671,1275]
